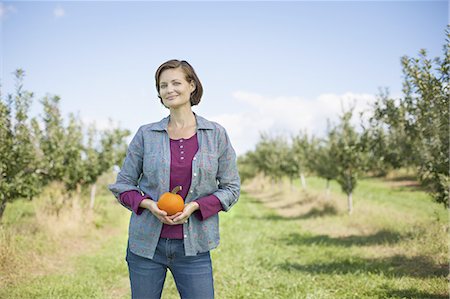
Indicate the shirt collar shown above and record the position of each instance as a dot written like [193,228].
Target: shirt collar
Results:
[202,123]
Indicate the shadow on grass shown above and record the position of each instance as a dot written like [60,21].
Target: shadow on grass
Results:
[409,293]
[380,237]
[395,266]
[324,210]
[304,199]
[401,178]
[405,183]
[412,187]
[270,217]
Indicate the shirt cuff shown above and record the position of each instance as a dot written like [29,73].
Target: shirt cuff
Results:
[209,205]
[133,199]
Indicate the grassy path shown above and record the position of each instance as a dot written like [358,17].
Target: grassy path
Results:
[267,256]
[264,255]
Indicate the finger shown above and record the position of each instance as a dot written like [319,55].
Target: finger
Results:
[168,220]
[165,221]
[179,218]
[175,215]
[160,213]
[162,218]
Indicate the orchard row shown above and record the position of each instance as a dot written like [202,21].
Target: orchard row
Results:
[407,132]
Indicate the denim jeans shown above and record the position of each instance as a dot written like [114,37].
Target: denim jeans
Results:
[193,274]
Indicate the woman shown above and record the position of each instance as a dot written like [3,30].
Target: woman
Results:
[183,149]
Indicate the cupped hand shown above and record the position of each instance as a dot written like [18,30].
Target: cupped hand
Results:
[162,215]
[187,212]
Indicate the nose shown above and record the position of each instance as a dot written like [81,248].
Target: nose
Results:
[169,88]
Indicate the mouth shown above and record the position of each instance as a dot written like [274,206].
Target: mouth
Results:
[171,98]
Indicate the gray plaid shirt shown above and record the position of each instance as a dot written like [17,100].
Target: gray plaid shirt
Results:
[146,168]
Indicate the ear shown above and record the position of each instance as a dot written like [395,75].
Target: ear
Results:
[192,86]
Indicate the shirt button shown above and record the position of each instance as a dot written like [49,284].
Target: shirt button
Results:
[195,158]
[185,236]
[181,146]
[182,158]
[192,191]
[182,152]
[181,140]
[195,174]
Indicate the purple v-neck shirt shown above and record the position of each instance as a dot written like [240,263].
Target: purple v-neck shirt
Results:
[182,151]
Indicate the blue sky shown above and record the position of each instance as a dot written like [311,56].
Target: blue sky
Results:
[265,66]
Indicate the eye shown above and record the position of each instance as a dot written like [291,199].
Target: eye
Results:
[176,83]
[162,86]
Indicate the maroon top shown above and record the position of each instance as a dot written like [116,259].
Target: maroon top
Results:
[182,152]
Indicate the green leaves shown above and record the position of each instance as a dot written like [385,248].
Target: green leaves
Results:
[18,159]
[35,152]
[416,126]
[349,157]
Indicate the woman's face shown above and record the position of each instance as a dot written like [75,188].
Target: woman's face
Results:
[174,90]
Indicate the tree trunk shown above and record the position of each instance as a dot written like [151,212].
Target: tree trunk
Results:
[93,189]
[302,178]
[350,203]
[327,194]
[280,184]
[2,207]
[76,201]
[291,183]
[349,194]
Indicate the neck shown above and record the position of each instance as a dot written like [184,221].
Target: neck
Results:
[182,117]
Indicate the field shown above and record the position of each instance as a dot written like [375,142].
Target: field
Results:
[278,242]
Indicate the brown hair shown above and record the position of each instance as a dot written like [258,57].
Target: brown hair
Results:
[190,74]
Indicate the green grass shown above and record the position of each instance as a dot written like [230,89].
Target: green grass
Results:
[96,271]
[274,257]
[393,246]
[376,190]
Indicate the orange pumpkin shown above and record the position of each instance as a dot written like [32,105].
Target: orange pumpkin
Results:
[171,202]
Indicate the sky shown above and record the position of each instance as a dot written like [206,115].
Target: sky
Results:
[274,67]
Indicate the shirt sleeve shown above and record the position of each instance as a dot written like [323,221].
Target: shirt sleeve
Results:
[209,206]
[227,173]
[128,177]
[132,199]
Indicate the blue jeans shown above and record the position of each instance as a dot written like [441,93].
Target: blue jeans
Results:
[193,274]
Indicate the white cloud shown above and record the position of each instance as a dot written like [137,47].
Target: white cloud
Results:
[59,12]
[286,115]
[6,10]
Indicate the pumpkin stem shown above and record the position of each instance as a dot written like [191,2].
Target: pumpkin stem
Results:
[176,189]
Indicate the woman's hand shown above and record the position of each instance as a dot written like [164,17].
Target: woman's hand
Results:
[182,217]
[152,206]
[178,218]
